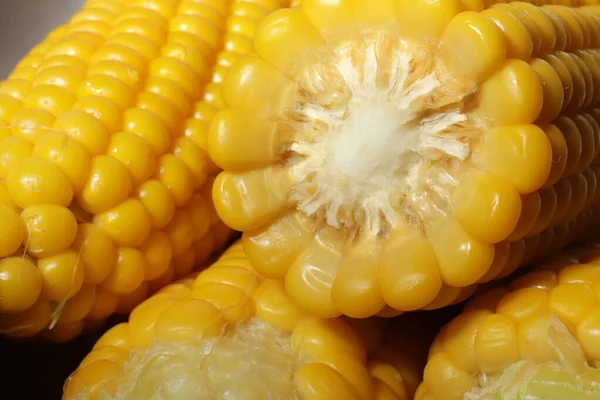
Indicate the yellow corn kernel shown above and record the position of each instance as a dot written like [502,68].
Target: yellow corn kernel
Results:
[54,99]
[61,76]
[19,296]
[156,199]
[538,337]
[42,222]
[417,282]
[149,127]
[12,149]
[158,254]
[34,181]
[105,178]
[481,200]
[292,355]
[519,43]
[26,123]
[12,230]
[62,275]
[67,154]
[263,130]
[97,251]
[84,128]
[17,88]
[481,37]
[369,131]
[102,109]
[462,258]
[128,273]
[128,223]
[77,307]
[101,192]
[174,174]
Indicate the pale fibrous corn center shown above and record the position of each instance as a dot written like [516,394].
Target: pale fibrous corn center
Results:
[254,361]
[377,135]
[568,370]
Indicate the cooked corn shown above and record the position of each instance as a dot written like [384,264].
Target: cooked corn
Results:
[228,333]
[105,195]
[537,339]
[386,156]
[240,27]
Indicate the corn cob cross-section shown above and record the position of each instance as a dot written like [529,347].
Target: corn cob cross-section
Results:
[539,338]
[228,333]
[386,156]
[105,194]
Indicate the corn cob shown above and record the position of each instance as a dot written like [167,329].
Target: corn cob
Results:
[105,196]
[240,28]
[538,338]
[228,333]
[400,152]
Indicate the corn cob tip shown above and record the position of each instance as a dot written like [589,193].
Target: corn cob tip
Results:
[534,380]
[228,332]
[398,154]
[536,338]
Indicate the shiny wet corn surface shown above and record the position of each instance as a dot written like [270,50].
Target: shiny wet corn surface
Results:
[392,162]
[537,338]
[105,183]
[230,332]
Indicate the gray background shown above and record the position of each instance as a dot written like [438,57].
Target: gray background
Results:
[25,23]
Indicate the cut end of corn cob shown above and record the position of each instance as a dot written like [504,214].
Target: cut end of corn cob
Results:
[387,157]
[246,363]
[536,339]
[105,182]
[228,333]
[570,377]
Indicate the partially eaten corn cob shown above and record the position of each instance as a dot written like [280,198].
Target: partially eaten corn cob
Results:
[537,339]
[105,191]
[230,334]
[386,156]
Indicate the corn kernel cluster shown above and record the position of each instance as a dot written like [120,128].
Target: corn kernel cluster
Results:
[403,152]
[540,332]
[298,356]
[240,27]
[379,157]
[105,183]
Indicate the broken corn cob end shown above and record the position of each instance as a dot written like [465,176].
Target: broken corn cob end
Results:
[105,182]
[383,157]
[227,332]
[536,339]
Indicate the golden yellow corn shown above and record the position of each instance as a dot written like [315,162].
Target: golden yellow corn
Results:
[387,156]
[105,191]
[538,338]
[239,30]
[228,333]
